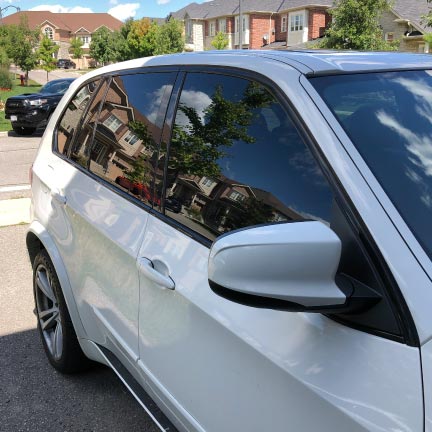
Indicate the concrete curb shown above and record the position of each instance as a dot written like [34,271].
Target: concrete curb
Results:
[14,211]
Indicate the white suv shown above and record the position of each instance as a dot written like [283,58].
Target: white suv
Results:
[245,238]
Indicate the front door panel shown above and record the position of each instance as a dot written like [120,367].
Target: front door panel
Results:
[233,367]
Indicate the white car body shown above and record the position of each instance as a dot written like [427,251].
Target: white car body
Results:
[209,363]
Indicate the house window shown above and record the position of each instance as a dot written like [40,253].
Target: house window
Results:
[131,138]
[85,40]
[112,122]
[389,37]
[207,182]
[284,24]
[49,33]
[222,25]
[189,28]
[212,28]
[297,22]
[236,196]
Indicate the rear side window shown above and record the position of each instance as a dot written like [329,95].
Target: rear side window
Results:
[80,152]
[127,134]
[236,160]
[72,116]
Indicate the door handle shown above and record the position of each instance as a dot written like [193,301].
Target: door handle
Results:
[147,268]
[55,194]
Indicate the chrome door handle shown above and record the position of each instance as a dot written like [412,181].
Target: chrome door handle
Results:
[147,268]
[55,194]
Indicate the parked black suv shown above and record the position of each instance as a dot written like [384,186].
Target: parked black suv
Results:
[31,110]
[65,64]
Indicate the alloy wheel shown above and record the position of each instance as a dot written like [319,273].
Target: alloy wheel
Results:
[48,312]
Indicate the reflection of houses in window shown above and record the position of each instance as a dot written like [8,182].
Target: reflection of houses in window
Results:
[237,196]
[112,123]
[224,204]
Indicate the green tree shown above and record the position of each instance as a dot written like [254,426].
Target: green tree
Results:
[102,46]
[220,41]
[21,46]
[427,19]
[45,54]
[169,39]
[76,50]
[141,38]
[204,139]
[355,25]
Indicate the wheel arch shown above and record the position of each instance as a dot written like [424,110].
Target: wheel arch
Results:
[38,238]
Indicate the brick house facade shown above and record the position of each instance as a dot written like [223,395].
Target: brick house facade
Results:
[62,27]
[288,23]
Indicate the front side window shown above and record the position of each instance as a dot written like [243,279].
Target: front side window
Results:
[127,135]
[388,118]
[236,159]
[71,117]
[212,28]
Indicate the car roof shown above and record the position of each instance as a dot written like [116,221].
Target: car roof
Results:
[310,63]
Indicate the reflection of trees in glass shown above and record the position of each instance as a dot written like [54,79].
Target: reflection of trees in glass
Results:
[198,145]
[250,212]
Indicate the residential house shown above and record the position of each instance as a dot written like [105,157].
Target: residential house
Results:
[289,23]
[62,27]
[404,22]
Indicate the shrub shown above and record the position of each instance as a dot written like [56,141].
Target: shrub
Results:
[5,79]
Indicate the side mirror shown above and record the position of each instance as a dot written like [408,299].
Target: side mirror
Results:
[290,266]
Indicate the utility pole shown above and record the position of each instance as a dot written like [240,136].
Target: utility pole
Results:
[5,8]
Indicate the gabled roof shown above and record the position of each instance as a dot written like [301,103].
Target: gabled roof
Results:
[66,21]
[219,8]
[412,10]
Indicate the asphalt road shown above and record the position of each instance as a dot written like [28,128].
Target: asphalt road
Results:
[33,396]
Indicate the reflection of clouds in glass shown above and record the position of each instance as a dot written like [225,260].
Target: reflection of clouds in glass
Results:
[426,196]
[419,146]
[306,165]
[153,107]
[422,93]
[427,200]
[191,98]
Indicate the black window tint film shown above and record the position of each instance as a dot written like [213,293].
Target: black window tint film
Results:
[83,139]
[72,115]
[236,160]
[125,146]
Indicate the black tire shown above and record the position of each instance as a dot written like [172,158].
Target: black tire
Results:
[24,131]
[67,356]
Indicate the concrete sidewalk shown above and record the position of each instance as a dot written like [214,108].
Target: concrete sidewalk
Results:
[14,211]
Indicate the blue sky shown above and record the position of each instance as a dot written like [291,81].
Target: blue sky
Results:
[121,9]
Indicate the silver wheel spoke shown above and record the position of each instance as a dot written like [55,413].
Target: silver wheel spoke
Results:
[44,285]
[48,312]
[57,341]
[50,322]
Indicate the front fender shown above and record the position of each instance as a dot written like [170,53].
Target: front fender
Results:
[38,234]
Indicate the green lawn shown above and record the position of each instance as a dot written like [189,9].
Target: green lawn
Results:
[33,87]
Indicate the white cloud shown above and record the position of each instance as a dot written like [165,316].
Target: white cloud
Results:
[61,9]
[162,2]
[113,2]
[124,11]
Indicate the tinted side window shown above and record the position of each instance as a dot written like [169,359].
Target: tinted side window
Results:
[71,117]
[83,139]
[128,131]
[236,160]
